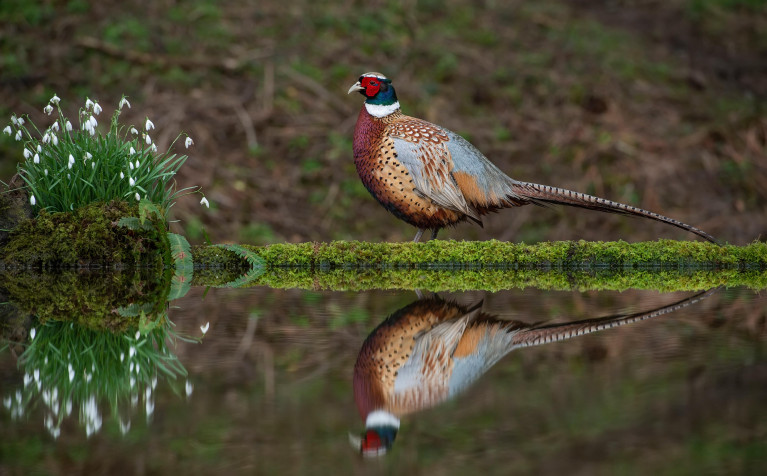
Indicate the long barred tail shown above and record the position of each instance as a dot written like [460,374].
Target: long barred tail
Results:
[544,194]
[545,334]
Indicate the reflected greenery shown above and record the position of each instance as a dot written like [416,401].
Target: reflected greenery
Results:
[93,339]
[434,349]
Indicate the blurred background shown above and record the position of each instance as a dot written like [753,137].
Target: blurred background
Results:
[655,103]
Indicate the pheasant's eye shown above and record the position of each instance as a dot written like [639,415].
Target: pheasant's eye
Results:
[373,83]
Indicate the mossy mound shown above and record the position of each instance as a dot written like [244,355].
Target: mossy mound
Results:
[87,237]
[92,299]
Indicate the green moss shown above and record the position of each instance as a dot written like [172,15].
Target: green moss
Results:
[89,299]
[88,236]
[497,254]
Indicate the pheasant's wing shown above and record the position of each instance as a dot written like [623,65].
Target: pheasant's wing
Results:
[422,147]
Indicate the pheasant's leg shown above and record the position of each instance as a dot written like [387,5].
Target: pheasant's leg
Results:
[434,233]
[418,235]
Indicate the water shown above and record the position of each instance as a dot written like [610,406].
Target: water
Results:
[269,390]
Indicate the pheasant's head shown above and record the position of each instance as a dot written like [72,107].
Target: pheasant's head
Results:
[380,432]
[379,92]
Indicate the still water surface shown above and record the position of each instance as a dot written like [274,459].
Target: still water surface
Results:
[269,390]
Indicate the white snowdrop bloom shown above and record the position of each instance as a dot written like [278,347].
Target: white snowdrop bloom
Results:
[46,171]
[131,182]
[14,120]
[32,333]
[68,126]
[148,139]
[122,175]
[7,402]
[70,167]
[69,177]
[27,379]
[132,381]
[138,368]
[32,201]
[55,433]
[93,165]
[20,121]
[132,151]
[93,121]
[149,125]
[137,164]
[88,155]
[188,387]
[36,159]
[71,160]
[71,373]
[130,164]
[149,408]
[153,147]
[96,108]
[46,138]
[204,328]
[7,130]
[138,334]
[131,352]
[188,142]
[124,102]
[18,134]
[48,109]
[55,99]
[131,367]
[39,148]
[138,197]
[154,382]
[122,356]
[68,407]
[205,202]
[36,374]
[27,153]
[54,139]
[88,103]
[55,126]
[124,427]
[133,130]
[148,393]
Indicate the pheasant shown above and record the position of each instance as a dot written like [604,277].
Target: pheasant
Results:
[433,349]
[432,178]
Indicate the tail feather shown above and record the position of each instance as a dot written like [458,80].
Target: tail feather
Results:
[545,194]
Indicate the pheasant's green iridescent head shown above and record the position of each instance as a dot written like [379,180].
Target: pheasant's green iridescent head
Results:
[376,88]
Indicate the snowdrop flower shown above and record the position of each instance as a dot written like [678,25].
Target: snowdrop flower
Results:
[130,164]
[124,427]
[32,333]
[138,335]
[20,121]
[122,356]
[124,102]
[149,408]
[39,148]
[7,130]
[54,139]
[88,155]
[55,99]
[96,108]
[93,121]
[14,120]
[137,164]
[131,352]
[46,138]
[18,135]
[68,126]
[37,375]
[36,159]
[132,151]
[88,103]
[48,109]
[204,328]
[149,125]
[32,201]
[131,367]
[71,160]
[71,373]
[122,175]
[131,182]
[133,130]
[138,368]
[188,388]
[188,142]
[46,171]
[154,148]
[148,139]
[205,202]
[93,165]
[132,381]
[27,153]
[55,126]
[138,197]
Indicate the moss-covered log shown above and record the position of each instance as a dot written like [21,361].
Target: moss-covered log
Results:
[493,254]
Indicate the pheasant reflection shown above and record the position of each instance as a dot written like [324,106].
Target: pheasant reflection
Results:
[433,349]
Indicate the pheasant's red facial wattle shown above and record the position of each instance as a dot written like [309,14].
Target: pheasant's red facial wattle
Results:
[372,86]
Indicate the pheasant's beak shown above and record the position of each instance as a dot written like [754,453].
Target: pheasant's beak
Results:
[355,87]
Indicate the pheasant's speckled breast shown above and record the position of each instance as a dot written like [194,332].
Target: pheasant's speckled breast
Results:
[389,180]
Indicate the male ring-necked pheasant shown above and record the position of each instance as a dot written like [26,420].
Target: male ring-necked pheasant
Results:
[431,177]
[434,349]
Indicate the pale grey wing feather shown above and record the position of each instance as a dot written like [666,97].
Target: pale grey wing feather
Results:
[468,159]
[429,166]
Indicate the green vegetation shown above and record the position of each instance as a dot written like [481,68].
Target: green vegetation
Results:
[69,166]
